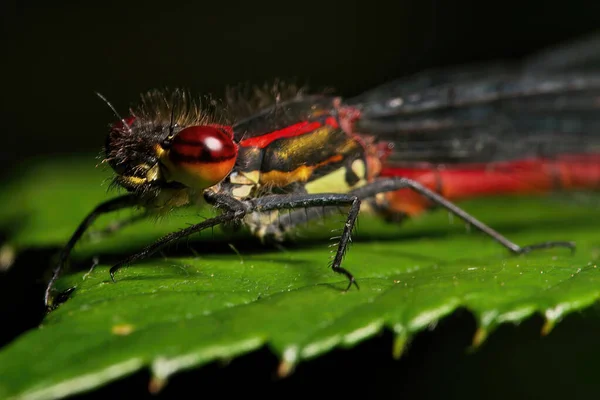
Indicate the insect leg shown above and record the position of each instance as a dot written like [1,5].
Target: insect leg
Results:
[234,210]
[106,207]
[282,202]
[393,184]
[286,222]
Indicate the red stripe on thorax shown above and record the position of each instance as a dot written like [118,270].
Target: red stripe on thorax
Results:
[298,129]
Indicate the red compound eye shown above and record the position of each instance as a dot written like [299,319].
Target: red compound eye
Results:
[202,156]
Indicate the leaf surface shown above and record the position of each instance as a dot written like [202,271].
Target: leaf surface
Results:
[203,301]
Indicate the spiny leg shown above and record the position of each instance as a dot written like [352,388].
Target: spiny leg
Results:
[173,237]
[117,203]
[270,203]
[236,210]
[343,244]
[276,231]
[393,184]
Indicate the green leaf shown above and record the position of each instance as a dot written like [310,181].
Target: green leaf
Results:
[185,310]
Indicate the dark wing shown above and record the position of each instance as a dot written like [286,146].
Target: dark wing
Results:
[547,105]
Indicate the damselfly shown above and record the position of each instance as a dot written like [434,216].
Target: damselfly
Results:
[396,150]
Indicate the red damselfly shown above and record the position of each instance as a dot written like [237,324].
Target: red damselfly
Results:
[397,150]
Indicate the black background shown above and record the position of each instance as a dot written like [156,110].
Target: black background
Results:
[56,54]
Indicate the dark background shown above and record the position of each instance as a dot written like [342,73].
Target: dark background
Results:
[56,54]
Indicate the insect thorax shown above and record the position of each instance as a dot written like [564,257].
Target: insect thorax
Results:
[326,160]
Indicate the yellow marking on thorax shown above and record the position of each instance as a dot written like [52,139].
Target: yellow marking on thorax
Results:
[300,174]
[358,167]
[278,178]
[335,182]
[244,183]
[245,178]
[242,191]
[133,180]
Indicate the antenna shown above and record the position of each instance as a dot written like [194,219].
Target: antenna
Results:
[114,111]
